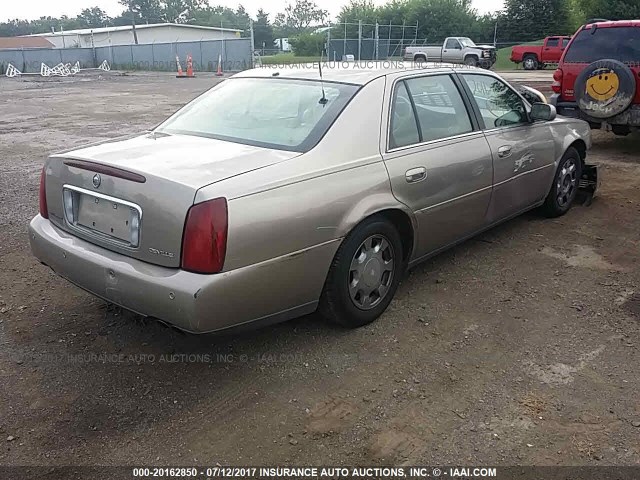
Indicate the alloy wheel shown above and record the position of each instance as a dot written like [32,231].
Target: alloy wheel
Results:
[567,183]
[371,272]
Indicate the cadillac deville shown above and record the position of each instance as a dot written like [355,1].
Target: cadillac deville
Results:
[276,194]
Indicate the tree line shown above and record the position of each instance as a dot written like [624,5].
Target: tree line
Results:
[519,21]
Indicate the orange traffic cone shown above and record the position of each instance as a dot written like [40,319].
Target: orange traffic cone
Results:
[180,73]
[190,66]
[219,72]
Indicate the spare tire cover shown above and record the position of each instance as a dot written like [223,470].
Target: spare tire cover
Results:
[605,88]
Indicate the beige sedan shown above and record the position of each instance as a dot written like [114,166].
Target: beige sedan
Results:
[276,194]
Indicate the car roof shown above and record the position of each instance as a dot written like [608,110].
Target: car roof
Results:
[616,23]
[357,73]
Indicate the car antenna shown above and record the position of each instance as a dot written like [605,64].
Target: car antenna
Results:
[323,101]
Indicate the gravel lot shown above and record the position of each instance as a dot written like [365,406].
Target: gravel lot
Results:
[518,347]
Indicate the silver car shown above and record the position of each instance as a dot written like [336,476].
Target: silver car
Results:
[276,194]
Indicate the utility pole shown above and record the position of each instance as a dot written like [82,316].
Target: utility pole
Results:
[359,39]
[495,34]
[252,40]
[93,49]
[133,26]
[377,40]
[344,47]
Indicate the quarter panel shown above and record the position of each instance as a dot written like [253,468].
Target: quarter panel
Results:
[303,214]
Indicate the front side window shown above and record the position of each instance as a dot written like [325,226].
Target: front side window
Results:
[274,113]
[452,44]
[500,106]
[565,42]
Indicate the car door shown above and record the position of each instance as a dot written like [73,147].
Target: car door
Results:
[439,162]
[523,152]
[551,51]
[452,51]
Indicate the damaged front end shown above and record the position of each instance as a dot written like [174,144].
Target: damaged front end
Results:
[589,184]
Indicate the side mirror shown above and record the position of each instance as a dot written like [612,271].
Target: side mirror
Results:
[543,111]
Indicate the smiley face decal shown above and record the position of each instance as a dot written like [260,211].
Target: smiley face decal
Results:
[602,84]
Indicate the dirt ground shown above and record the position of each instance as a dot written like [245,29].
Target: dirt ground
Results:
[518,347]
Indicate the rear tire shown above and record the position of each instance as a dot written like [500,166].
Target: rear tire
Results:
[420,59]
[530,62]
[565,185]
[364,275]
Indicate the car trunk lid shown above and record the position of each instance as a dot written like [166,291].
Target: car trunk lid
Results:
[132,196]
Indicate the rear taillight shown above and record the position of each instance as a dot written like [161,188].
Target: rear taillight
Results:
[204,243]
[556,86]
[44,211]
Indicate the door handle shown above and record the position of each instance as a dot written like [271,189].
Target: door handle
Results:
[504,152]
[415,175]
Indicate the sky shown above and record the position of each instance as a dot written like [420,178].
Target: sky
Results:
[32,9]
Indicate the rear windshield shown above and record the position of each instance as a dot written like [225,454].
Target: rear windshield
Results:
[283,114]
[618,43]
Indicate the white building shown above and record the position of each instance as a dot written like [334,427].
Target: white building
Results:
[154,33]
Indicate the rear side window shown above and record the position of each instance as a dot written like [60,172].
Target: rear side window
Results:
[426,109]
[618,43]
[441,111]
[553,42]
[404,129]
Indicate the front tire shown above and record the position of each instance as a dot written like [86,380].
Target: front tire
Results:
[565,185]
[471,61]
[364,275]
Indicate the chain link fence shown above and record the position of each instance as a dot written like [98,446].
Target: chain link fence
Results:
[236,55]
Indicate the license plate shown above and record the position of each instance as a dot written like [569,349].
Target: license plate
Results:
[102,215]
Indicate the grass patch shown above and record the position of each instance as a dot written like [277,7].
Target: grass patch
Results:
[503,61]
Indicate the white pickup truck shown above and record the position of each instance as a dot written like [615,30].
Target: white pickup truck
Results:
[454,50]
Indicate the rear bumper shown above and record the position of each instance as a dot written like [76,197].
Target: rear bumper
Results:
[270,291]
[630,117]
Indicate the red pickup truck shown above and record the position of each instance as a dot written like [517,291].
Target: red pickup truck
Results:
[538,56]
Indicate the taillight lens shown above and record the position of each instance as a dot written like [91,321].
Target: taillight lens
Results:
[556,86]
[44,210]
[204,243]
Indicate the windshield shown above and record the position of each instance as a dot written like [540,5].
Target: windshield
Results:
[618,43]
[467,42]
[283,114]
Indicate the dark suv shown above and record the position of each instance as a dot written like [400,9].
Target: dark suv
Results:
[598,77]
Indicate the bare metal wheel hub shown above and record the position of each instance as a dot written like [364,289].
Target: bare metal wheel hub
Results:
[371,272]
[529,63]
[567,183]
